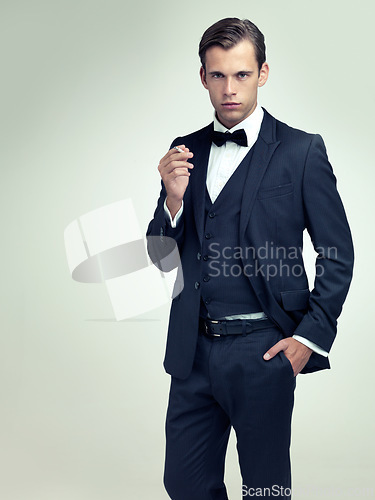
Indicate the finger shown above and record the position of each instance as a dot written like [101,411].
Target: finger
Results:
[174,154]
[279,346]
[182,147]
[178,172]
[166,173]
[174,151]
[167,168]
[173,160]
[179,151]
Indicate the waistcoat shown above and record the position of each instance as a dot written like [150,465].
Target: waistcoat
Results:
[225,288]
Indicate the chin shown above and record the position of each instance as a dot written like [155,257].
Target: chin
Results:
[234,121]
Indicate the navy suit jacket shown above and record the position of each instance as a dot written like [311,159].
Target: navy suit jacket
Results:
[290,186]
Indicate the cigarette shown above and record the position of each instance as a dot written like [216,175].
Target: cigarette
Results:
[179,149]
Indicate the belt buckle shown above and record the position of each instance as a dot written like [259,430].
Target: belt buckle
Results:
[212,334]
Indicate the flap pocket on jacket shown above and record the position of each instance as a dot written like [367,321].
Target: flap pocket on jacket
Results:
[275,191]
[295,300]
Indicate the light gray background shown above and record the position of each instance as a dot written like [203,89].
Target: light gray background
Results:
[93,92]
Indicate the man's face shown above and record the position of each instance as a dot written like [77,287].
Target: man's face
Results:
[232,78]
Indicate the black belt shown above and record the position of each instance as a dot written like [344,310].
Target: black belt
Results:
[219,328]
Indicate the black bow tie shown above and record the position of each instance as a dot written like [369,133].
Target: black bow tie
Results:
[238,136]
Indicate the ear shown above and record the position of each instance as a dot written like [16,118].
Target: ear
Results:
[202,74]
[263,74]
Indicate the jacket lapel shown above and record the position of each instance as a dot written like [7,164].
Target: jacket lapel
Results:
[201,152]
[264,148]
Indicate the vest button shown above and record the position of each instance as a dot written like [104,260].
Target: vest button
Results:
[208,236]
[211,215]
[206,278]
[199,255]
[197,285]
[205,257]
[207,301]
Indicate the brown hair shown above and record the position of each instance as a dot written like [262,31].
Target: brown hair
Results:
[227,32]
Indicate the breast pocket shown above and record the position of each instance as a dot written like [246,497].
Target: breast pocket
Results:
[274,191]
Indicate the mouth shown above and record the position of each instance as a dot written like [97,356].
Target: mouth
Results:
[231,105]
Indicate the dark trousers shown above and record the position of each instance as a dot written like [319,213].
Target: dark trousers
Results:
[231,385]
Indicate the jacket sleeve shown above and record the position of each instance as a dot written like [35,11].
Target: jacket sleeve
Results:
[162,238]
[330,234]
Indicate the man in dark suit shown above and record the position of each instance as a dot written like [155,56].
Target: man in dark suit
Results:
[236,197]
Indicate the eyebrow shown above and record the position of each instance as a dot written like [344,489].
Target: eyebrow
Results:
[246,71]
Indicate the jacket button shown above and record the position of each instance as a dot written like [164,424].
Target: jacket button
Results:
[205,257]
[211,215]
[207,301]
[197,285]
[199,255]
[208,236]
[206,278]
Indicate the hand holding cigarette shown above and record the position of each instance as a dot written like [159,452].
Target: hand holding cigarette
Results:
[175,169]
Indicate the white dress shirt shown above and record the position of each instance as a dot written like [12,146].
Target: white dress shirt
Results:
[222,162]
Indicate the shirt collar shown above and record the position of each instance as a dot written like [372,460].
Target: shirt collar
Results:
[251,124]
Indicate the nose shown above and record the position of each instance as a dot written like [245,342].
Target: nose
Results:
[229,87]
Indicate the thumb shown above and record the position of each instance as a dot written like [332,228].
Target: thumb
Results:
[273,351]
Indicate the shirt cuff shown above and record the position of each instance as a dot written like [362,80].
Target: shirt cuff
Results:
[173,222]
[311,345]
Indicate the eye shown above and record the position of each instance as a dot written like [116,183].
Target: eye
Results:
[242,75]
[217,75]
